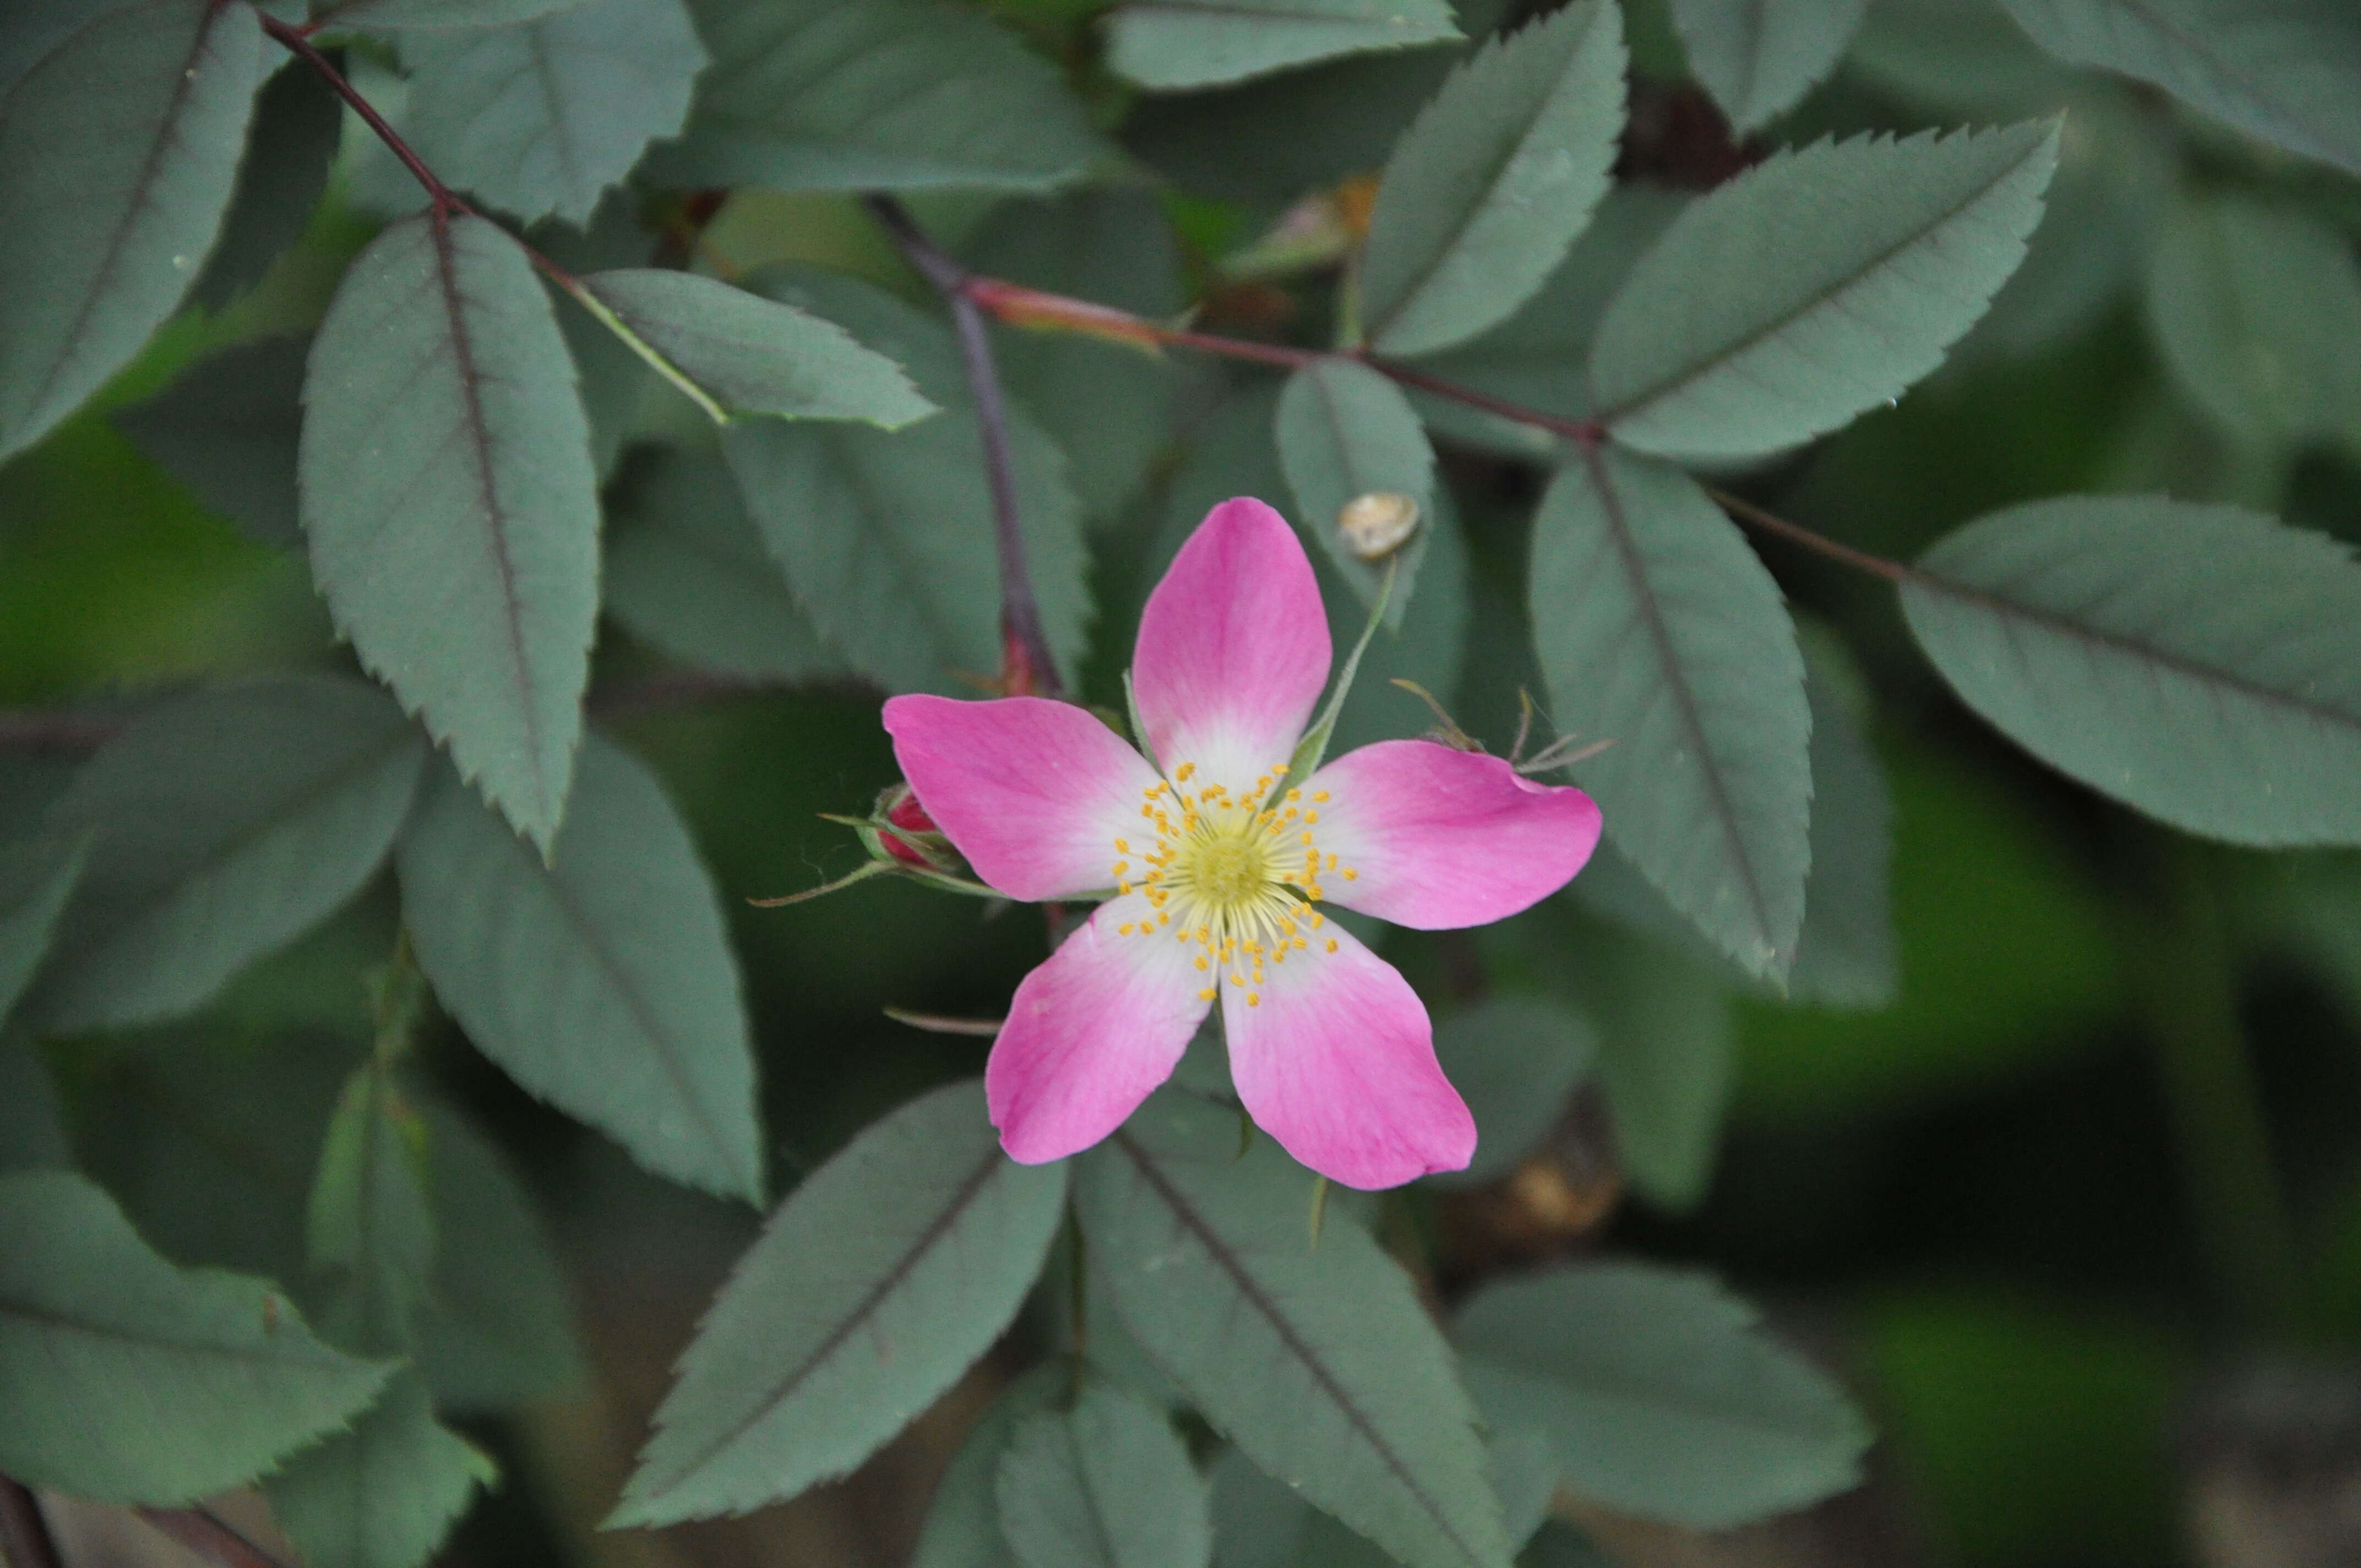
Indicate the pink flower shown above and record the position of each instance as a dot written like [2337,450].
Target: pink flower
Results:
[1221,864]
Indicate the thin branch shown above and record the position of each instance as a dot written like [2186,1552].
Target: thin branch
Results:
[206,1533]
[1027,664]
[25,1538]
[1746,511]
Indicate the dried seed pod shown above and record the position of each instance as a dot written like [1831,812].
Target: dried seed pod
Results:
[1376,525]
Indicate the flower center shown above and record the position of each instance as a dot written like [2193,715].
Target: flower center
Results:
[1235,874]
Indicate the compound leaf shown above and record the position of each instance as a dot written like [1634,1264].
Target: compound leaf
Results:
[447,492]
[871,1290]
[1172,44]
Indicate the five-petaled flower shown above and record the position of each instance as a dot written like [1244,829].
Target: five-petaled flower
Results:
[1220,865]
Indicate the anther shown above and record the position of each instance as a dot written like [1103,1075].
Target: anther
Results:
[1207,995]
[1331,944]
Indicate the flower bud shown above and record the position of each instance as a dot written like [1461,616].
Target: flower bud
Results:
[905,831]
[1377,524]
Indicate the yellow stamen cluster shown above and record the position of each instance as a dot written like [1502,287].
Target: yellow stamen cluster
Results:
[1237,874]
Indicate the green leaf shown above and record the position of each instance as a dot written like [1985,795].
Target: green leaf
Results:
[887,538]
[1319,1363]
[1105,1483]
[1658,629]
[601,980]
[1345,430]
[962,1527]
[741,351]
[1662,1396]
[1844,954]
[32,1120]
[1515,1059]
[288,151]
[369,1226]
[2198,663]
[497,1328]
[29,34]
[37,877]
[687,572]
[223,825]
[467,14]
[1262,1523]
[814,96]
[1170,44]
[616,381]
[1494,180]
[1110,245]
[384,1493]
[229,431]
[118,154]
[1667,1061]
[1757,56]
[2282,70]
[1815,286]
[2254,307]
[920,1236]
[452,509]
[545,116]
[127,1380]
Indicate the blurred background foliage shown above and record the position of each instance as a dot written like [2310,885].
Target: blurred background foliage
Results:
[2076,1208]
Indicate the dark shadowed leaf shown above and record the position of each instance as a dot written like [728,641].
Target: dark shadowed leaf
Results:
[286,172]
[1319,1362]
[118,154]
[383,1494]
[601,980]
[2281,70]
[497,1328]
[37,877]
[370,1227]
[887,537]
[1494,180]
[424,14]
[544,117]
[1844,955]
[1667,1060]
[1757,56]
[745,353]
[228,429]
[2200,662]
[32,1121]
[1345,431]
[1515,1059]
[1660,1396]
[127,1380]
[449,499]
[1204,43]
[962,1528]
[1658,629]
[814,96]
[687,572]
[875,1286]
[1815,286]
[1103,1483]
[222,827]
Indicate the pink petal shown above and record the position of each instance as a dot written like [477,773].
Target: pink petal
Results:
[1437,837]
[1035,794]
[1233,648]
[1335,1057]
[1091,1031]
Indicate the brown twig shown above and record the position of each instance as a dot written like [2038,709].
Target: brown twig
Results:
[25,1538]
[204,1533]
[1747,512]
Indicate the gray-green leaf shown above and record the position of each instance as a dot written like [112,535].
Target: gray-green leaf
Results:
[384,1493]
[37,877]
[1319,1362]
[1515,1059]
[875,1286]
[2282,70]
[1345,431]
[223,825]
[228,429]
[1815,286]
[816,95]
[743,352]
[288,153]
[370,1227]
[1172,44]
[544,117]
[2200,662]
[452,509]
[1661,1396]
[127,1380]
[32,1120]
[1844,954]
[395,15]
[1105,1483]
[1659,630]
[1757,56]
[1494,180]
[1667,1062]
[687,573]
[117,155]
[962,1528]
[601,980]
